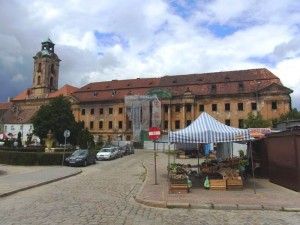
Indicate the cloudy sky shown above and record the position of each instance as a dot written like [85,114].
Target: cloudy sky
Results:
[99,40]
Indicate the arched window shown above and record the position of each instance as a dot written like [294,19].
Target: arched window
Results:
[51,81]
[39,80]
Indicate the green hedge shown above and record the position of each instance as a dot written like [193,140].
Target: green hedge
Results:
[31,158]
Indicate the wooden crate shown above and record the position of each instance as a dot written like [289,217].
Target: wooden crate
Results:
[217,184]
[235,183]
[178,188]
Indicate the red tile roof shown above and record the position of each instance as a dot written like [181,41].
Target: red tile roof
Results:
[6,105]
[20,116]
[66,90]
[230,82]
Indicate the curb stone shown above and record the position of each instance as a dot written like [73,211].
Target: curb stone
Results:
[224,206]
[178,205]
[249,207]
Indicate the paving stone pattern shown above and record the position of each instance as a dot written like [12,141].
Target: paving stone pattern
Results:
[103,194]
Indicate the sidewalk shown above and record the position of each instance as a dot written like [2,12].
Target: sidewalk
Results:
[263,196]
[18,178]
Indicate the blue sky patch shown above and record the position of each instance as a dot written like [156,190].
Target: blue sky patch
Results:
[183,8]
[263,60]
[221,31]
[110,39]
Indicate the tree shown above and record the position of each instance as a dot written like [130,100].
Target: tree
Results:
[85,139]
[257,121]
[56,116]
[291,115]
[19,139]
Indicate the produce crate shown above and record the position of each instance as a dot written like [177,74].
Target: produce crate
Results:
[217,184]
[178,181]
[235,183]
[178,188]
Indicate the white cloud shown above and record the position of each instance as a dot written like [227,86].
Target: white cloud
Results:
[149,38]
[18,78]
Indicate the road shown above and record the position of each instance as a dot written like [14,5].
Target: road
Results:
[103,194]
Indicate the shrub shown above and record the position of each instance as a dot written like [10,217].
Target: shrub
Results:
[31,158]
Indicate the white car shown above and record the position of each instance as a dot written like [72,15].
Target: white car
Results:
[107,153]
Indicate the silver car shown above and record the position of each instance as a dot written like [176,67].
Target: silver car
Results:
[107,153]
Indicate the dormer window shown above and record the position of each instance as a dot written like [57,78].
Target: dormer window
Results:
[213,88]
[241,86]
[113,92]
[95,93]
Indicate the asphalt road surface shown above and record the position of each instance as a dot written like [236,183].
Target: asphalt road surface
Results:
[103,194]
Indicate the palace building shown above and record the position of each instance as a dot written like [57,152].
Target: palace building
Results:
[228,96]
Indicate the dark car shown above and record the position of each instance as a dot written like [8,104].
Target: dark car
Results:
[81,157]
[128,149]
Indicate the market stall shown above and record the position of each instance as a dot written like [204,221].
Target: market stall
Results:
[206,129]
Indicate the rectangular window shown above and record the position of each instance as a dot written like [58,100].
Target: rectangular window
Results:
[177,124]
[227,106]
[166,108]
[188,122]
[253,106]
[201,108]
[120,110]
[177,108]
[110,110]
[100,111]
[274,105]
[166,124]
[92,111]
[241,123]
[82,111]
[188,107]
[101,125]
[120,124]
[110,125]
[227,122]
[240,106]
[214,107]
[91,124]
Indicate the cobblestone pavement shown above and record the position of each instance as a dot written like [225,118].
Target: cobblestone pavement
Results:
[103,194]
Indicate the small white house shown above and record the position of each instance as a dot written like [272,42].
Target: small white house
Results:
[19,121]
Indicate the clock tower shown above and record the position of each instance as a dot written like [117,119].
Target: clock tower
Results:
[45,71]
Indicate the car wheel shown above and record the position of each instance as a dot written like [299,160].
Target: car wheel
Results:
[94,162]
[85,162]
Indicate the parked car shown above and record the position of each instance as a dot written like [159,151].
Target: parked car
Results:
[107,153]
[81,157]
[120,152]
[128,149]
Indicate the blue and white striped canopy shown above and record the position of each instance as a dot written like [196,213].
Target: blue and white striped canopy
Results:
[206,129]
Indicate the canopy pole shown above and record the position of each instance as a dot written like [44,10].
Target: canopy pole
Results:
[251,150]
[168,159]
[198,159]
